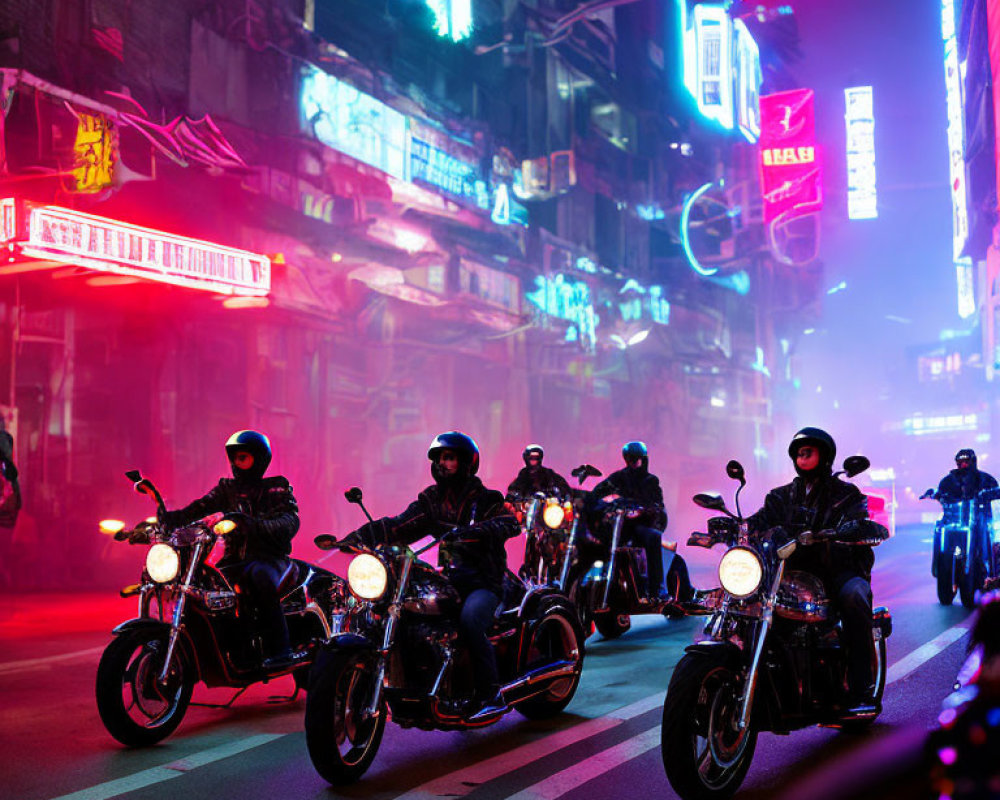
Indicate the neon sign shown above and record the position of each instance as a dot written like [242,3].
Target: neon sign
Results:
[354,123]
[966,287]
[713,77]
[748,78]
[861,195]
[452,18]
[779,156]
[956,129]
[445,171]
[570,300]
[60,235]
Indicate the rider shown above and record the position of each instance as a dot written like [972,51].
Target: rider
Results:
[476,523]
[966,480]
[536,478]
[636,483]
[818,501]
[257,552]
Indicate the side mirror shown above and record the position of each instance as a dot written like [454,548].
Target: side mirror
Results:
[353,495]
[134,475]
[143,486]
[928,493]
[712,502]
[855,465]
[734,469]
[584,471]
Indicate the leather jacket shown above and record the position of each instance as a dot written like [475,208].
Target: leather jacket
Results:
[637,484]
[965,484]
[831,504]
[473,555]
[541,479]
[268,502]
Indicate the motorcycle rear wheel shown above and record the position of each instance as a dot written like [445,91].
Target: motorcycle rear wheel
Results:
[705,755]
[134,706]
[342,740]
[555,637]
[945,582]
[971,582]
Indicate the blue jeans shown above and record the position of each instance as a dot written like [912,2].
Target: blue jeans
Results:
[475,619]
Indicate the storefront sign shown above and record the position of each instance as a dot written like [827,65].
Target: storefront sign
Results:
[53,234]
[354,123]
[860,115]
[790,175]
[95,152]
[567,299]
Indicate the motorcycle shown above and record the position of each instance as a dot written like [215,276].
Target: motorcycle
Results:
[403,657]
[772,658]
[608,584]
[548,522]
[962,559]
[193,625]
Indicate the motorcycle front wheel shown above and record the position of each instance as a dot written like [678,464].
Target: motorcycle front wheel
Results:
[135,707]
[555,637]
[945,579]
[971,582]
[342,738]
[705,754]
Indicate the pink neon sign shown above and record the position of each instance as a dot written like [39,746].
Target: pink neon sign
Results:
[62,235]
[790,175]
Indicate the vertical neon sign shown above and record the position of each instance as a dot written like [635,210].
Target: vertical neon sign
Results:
[860,116]
[748,78]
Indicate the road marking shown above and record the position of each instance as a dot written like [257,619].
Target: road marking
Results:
[926,652]
[175,769]
[33,663]
[562,782]
[460,782]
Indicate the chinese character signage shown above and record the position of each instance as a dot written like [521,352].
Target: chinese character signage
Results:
[790,175]
[861,196]
[95,152]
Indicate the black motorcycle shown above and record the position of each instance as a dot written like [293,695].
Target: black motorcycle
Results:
[194,625]
[608,582]
[962,559]
[547,521]
[772,658]
[403,657]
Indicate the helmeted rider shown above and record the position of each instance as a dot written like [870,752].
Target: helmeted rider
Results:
[477,523]
[817,501]
[966,480]
[636,483]
[536,478]
[256,554]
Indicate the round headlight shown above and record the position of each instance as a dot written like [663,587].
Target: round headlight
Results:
[367,577]
[740,572]
[162,563]
[553,515]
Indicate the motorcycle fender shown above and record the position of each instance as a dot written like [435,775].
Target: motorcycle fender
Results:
[712,647]
[544,597]
[145,623]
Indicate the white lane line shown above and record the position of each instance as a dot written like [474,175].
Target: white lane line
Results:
[33,663]
[926,652]
[567,780]
[175,769]
[577,775]
[460,782]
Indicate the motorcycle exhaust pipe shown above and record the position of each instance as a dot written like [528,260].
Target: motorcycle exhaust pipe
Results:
[557,669]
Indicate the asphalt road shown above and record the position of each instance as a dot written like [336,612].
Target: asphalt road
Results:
[605,746]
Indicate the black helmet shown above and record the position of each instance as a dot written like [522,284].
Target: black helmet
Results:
[254,443]
[533,448]
[966,453]
[636,450]
[819,439]
[467,449]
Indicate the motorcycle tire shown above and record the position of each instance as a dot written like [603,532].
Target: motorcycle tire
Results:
[704,754]
[135,708]
[556,636]
[972,581]
[582,605]
[342,743]
[945,583]
[611,625]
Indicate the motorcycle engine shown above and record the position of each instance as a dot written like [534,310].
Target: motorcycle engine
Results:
[802,597]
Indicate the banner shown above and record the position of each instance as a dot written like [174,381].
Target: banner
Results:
[790,173]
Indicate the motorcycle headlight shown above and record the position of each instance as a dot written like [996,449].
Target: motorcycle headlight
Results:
[110,527]
[367,577]
[553,515]
[740,572]
[162,563]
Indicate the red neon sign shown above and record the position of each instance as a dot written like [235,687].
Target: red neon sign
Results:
[790,175]
[64,236]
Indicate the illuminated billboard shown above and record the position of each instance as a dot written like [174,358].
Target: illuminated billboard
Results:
[790,174]
[748,78]
[354,123]
[41,237]
[860,115]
